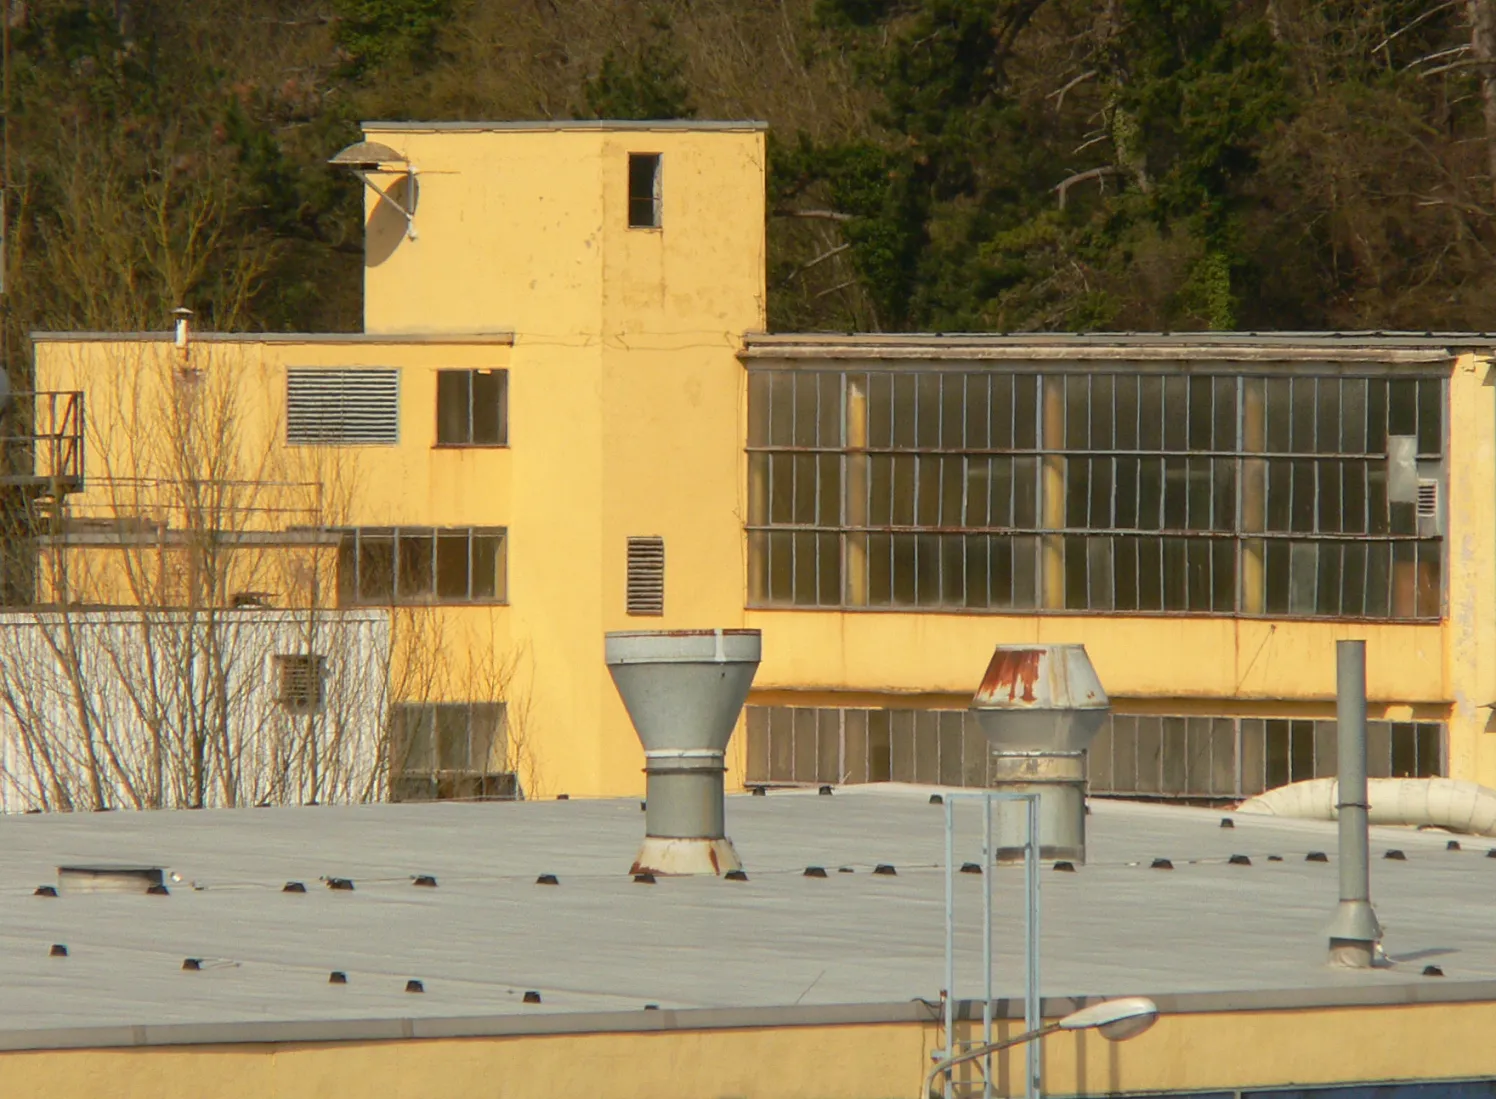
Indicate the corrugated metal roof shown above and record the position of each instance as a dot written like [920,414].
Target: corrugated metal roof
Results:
[599,943]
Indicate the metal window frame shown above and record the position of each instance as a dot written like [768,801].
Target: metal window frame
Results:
[794,450]
[657,204]
[353,537]
[470,442]
[778,727]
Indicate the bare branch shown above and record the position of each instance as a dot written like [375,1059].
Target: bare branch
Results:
[1063,187]
[1059,95]
[1435,10]
[833,289]
[821,215]
[816,262]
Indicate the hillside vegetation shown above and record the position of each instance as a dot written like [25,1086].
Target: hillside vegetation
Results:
[935,164]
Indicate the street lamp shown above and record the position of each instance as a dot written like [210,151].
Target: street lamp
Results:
[1115,1020]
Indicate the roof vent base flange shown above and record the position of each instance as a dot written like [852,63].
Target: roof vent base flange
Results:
[675,857]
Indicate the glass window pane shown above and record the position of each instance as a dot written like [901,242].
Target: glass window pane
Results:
[828,746]
[901,744]
[756,768]
[490,411]
[781,744]
[410,739]
[854,746]
[452,427]
[452,748]
[758,408]
[1150,740]
[452,565]
[1124,753]
[416,551]
[489,563]
[806,744]
[376,567]
[951,745]
[486,736]
[927,747]
[879,746]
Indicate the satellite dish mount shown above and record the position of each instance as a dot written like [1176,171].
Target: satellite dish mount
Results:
[366,159]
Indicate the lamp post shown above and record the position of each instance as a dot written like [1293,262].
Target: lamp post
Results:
[1115,1020]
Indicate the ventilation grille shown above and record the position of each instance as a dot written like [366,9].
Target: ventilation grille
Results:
[299,682]
[646,587]
[342,407]
[1428,499]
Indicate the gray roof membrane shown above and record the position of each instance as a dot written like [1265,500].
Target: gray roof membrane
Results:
[598,944]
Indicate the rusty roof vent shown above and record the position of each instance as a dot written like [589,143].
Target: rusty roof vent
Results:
[1040,707]
[106,878]
[1038,697]
[684,690]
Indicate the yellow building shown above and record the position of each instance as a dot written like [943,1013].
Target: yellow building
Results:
[564,416]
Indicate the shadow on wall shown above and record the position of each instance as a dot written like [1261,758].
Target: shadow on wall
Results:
[387,225]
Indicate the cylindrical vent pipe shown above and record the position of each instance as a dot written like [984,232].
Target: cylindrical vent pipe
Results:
[1354,932]
[684,690]
[1040,707]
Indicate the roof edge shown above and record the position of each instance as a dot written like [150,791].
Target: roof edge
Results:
[620,1022]
[502,337]
[593,125]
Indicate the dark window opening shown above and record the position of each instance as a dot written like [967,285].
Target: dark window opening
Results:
[1135,755]
[472,408]
[644,190]
[449,750]
[415,565]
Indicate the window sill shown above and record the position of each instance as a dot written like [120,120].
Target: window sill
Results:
[376,605]
[1068,612]
[469,446]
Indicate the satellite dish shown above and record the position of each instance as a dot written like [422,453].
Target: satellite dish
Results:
[365,157]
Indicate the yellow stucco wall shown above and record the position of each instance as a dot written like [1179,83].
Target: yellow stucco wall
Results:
[1188,1052]
[627,417]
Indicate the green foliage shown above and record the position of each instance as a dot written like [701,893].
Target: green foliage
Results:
[649,83]
[376,33]
[933,164]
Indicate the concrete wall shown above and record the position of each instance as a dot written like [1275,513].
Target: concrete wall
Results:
[1187,1052]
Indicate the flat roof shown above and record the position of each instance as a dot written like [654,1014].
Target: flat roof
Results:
[779,948]
[667,125]
[1403,348]
[502,336]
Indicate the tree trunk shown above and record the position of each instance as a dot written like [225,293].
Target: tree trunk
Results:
[1482,14]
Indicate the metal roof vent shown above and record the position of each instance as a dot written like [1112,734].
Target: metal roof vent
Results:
[684,690]
[1040,707]
[109,879]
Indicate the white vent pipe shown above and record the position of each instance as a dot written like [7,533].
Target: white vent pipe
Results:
[1411,802]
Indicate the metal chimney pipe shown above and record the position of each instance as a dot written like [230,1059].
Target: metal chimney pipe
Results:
[1354,932]
[1040,707]
[684,690]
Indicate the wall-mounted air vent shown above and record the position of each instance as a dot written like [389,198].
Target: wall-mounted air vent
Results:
[646,576]
[1428,499]
[342,407]
[299,679]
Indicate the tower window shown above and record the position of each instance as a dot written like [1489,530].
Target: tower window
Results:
[644,190]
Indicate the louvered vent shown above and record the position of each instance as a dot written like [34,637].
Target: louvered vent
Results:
[299,686]
[342,407]
[1428,499]
[646,586]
